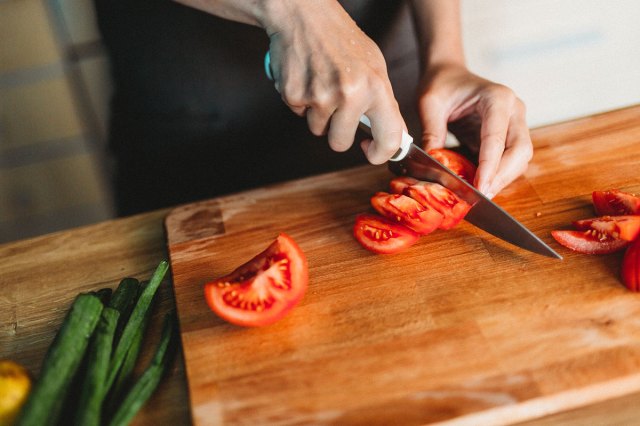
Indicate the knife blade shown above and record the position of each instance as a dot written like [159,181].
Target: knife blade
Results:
[411,160]
[484,213]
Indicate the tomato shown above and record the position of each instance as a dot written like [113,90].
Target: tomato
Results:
[608,227]
[407,211]
[381,235]
[631,267]
[399,184]
[449,205]
[614,202]
[585,242]
[264,289]
[455,162]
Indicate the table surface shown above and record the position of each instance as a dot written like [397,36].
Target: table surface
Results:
[40,277]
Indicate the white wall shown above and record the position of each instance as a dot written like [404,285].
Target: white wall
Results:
[564,58]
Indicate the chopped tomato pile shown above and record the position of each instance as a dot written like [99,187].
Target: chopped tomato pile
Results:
[413,208]
[617,228]
[264,289]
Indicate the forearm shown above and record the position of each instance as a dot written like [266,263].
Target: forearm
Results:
[438,31]
[271,15]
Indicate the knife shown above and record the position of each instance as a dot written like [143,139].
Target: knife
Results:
[485,214]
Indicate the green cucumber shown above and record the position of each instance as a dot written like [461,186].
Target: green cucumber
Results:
[61,362]
[135,321]
[124,299]
[148,382]
[93,390]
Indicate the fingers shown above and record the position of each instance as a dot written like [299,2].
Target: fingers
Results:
[433,117]
[505,148]
[495,111]
[517,154]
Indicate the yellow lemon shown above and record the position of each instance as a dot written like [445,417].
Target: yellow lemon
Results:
[15,384]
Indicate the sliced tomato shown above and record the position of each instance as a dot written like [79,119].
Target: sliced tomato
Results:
[631,267]
[615,202]
[452,208]
[610,227]
[399,184]
[380,235]
[407,211]
[455,162]
[264,289]
[585,242]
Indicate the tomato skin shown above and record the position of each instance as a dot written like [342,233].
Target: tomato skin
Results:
[399,184]
[264,289]
[614,202]
[631,267]
[449,205]
[407,211]
[624,227]
[455,162]
[584,242]
[381,235]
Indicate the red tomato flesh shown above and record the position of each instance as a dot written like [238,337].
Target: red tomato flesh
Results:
[449,205]
[455,162]
[264,289]
[399,184]
[611,227]
[615,202]
[585,242]
[631,267]
[407,211]
[381,235]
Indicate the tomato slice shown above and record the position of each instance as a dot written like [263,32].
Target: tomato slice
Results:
[380,235]
[407,211]
[449,205]
[615,202]
[455,162]
[399,184]
[631,267]
[609,227]
[585,242]
[264,289]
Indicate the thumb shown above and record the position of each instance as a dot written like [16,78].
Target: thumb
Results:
[434,124]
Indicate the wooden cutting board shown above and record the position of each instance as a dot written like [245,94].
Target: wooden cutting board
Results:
[462,328]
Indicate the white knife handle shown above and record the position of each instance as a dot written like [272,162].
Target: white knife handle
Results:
[364,120]
[405,144]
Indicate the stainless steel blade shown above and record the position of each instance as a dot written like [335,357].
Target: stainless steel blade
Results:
[484,214]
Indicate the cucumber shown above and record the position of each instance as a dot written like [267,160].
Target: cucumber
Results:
[135,321]
[63,358]
[148,382]
[124,299]
[93,389]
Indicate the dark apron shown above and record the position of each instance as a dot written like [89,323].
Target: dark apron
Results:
[193,115]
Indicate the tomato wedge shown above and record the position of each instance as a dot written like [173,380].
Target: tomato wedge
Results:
[400,183]
[631,267]
[608,227]
[585,242]
[381,235]
[449,205]
[615,202]
[407,211]
[264,289]
[455,162]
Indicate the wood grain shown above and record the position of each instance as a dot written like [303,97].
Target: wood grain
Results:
[461,328]
[411,320]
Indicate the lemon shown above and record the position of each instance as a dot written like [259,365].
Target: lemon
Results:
[15,384]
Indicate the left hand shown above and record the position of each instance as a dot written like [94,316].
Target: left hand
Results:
[486,116]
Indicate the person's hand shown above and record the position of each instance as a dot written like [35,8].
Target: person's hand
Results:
[328,70]
[485,116]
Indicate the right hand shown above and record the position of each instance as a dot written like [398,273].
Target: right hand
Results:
[326,68]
